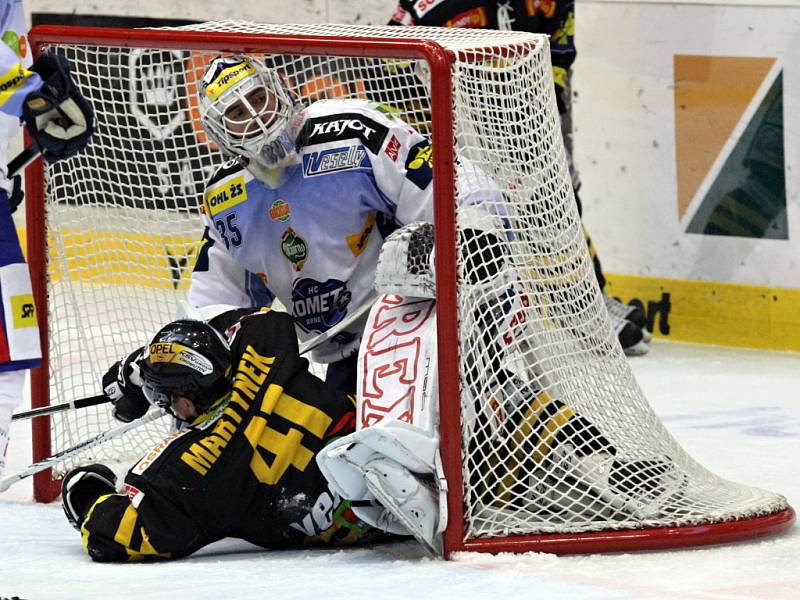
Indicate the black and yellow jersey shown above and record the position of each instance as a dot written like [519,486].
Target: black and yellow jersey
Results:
[555,18]
[246,469]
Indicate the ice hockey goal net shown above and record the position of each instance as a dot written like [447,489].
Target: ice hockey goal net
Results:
[547,440]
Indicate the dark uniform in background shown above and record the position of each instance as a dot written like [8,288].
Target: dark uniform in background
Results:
[245,469]
[554,18]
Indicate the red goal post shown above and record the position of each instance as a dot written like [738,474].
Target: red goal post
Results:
[560,333]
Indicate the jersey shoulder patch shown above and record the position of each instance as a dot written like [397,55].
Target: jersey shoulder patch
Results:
[226,188]
[339,120]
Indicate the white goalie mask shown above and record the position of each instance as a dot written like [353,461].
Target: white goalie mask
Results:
[246,109]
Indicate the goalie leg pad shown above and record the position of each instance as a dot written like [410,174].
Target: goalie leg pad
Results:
[390,497]
[343,461]
[406,499]
[642,488]
[388,463]
[405,265]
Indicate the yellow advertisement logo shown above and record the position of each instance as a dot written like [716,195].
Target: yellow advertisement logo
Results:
[227,78]
[225,196]
[24,311]
[423,157]
[11,81]
[358,241]
[171,352]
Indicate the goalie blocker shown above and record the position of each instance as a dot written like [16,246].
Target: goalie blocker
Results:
[545,454]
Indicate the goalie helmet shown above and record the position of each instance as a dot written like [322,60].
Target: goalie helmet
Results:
[190,358]
[246,110]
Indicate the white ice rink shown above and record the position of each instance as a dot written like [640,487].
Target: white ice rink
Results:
[736,411]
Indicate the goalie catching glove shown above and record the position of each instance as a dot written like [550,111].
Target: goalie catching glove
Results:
[122,383]
[58,116]
[406,262]
[406,265]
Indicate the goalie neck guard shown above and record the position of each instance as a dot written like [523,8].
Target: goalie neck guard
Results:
[190,358]
[246,109]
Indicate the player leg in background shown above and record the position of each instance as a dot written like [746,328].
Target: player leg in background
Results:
[19,332]
[629,322]
[11,384]
[530,450]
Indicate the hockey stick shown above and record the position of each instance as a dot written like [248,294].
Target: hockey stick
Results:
[151,416]
[125,427]
[102,398]
[56,408]
[326,335]
[110,434]
[24,158]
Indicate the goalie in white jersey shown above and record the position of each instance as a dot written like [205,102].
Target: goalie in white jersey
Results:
[60,120]
[301,211]
[538,453]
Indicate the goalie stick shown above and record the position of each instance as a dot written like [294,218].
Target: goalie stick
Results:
[349,320]
[45,464]
[102,398]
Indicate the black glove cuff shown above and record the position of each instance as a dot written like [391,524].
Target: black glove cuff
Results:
[17,194]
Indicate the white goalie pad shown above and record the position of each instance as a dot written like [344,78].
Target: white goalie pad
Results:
[397,369]
[392,459]
[391,466]
[342,462]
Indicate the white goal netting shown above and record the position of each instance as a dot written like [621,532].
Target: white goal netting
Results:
[556,434]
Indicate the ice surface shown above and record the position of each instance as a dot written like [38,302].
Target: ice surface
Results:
[736,411]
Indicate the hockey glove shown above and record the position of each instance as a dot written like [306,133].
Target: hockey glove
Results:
[81,489]
[58,117]
[122,383]
[406,262]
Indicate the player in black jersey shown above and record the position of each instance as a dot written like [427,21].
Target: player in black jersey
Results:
[244,467]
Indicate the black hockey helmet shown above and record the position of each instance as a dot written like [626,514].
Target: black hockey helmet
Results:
[187,357]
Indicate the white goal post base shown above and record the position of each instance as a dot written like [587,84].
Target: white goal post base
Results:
[528,363]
